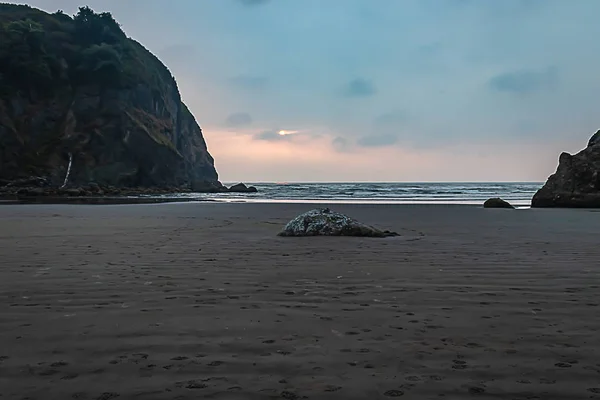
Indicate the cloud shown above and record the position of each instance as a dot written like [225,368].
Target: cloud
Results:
[238,119]
[525,81]
[379,140]
[250,82]
[288,135]
[391,119]
[253,2]
[271,136]
[340,144]
[360,87]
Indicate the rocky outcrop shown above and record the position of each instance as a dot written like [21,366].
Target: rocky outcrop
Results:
[496,202]
[324,222]
[40,187]
[79,88]
[202,186]
[241,188]
[218,187]
[576,182]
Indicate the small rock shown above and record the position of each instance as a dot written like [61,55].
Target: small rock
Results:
[496,202]
[73,192]
[35,192]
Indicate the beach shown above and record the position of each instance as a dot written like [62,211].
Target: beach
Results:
[203,300]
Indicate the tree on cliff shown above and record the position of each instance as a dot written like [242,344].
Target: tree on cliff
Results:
[45,50]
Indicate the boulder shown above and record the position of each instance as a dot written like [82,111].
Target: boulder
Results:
[73,192]
[241,188]
[201,186]
[576,182]
[496,202]
[93,187]
[36,192]
[324,222]
[32,181]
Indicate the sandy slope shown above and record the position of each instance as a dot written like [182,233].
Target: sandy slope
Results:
[189,301]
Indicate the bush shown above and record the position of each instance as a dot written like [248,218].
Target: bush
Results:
[41,50]
[92,28]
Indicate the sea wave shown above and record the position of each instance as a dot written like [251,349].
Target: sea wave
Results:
[518,193]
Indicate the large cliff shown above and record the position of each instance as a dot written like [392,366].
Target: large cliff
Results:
[77,87]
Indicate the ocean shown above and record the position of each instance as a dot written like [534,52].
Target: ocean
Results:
[517,193]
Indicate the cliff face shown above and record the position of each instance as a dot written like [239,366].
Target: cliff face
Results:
[78,87]
[576,182]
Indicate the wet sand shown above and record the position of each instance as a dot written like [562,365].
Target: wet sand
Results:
[191,301]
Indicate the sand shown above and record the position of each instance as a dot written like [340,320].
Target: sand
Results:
[192,301]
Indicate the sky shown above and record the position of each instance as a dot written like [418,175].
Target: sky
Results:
[377,90]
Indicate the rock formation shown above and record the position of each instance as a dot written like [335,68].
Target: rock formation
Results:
[76,88]
[324,222]
[576,182]
[496,202]
[241,188]
[218,187]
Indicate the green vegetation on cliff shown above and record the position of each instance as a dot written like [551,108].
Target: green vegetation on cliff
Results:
[49,51]
[78,85]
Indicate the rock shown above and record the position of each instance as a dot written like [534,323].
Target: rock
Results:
[595,139]
[202,186]
[576,182]
[324,222]
[93,187]
[36,192]
[496,202]
[241,188]
[73,192]
[32,181]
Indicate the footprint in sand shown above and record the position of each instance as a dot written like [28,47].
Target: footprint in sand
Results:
[459,364]
[59,364]
[476,390]
[394,393]
[563,365]
[108,396]
[196,385]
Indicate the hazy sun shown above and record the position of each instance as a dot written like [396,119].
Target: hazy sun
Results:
[283,132]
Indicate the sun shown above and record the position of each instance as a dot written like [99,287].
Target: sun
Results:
[284,132]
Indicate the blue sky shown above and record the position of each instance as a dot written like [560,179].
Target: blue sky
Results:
[388,90]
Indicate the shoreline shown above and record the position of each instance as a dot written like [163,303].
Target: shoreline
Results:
[201,198]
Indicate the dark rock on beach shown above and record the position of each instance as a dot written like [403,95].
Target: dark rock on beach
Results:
[241,188]
[218,187]
[324,222]
[496,202]
[576,182]
[202,186]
